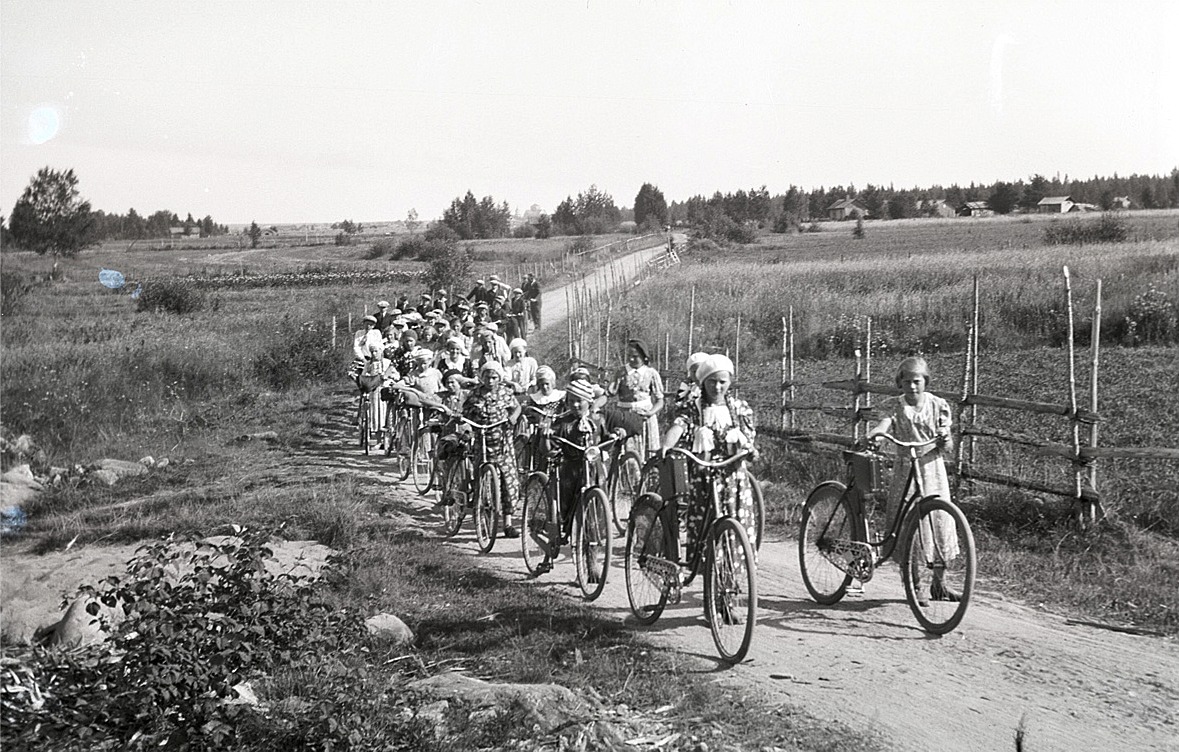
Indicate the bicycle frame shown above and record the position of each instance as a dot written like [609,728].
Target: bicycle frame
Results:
[588,467]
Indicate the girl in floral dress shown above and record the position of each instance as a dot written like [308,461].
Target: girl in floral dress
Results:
[713,426]
[492,401]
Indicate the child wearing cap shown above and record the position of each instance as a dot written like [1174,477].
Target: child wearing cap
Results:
[521,368]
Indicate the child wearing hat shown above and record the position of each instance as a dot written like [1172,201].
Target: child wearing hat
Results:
[521,368]
[715,425]
[493,401]
[639,389]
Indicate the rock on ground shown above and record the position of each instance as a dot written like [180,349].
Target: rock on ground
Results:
[389,628]
[546,707]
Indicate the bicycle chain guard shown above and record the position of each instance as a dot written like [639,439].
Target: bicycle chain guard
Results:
[853,557]
[667,572]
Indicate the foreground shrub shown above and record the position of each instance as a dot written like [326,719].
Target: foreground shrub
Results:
[296,356]
[450,268]
[381,249]
[170,295]
[13,289]
[200,617]
[1108,229]
[1152,320]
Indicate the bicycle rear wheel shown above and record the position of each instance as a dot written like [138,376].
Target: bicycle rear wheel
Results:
[730,590]
[403,452]
[938,565]
[624,488]
[362,421]
[759,510]
[828,520]
[455,487]
[421,463]
[593,535]
[487,502]
[649,567]
[536,535]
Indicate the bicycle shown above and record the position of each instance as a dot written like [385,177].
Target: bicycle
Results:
[723,552]
[423,462]
[837,544]
[369,412]
[466,486]
[649,479]
[404,419]
[587,528]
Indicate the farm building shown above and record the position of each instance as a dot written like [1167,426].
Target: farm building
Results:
[976,209]
[846,208]
[1055,205]
[935,207]
[1121,202]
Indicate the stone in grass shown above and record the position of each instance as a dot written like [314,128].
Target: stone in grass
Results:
[546,708]
[121,468]
[80,627]
[389,628]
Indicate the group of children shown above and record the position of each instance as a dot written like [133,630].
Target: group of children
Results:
[480,374]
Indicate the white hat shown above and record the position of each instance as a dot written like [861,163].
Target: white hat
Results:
[371,319]
[383,304]
[493,365]
[517,342]
[713,364]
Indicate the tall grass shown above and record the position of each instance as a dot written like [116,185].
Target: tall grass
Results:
[88,376]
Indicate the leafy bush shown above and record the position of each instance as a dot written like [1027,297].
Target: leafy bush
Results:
[525,230]
[171,295]
[579,245]
[450,267]
[1109,229]
[297,355]
[380,249]
[343,238]
[1152,320]
[858,231]
[440,231]
[199,618]
[13,289]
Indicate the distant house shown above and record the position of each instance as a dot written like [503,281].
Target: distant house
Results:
[1055,205]
[846,208]
[935,207]
[976,209]
[1121,202]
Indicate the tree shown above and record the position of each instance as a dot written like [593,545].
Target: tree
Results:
[650,203]
[411,220]
[51,215]
[1036,189]
[255,233]
[544,226]
[1004,197]
[596,212]
[471,218]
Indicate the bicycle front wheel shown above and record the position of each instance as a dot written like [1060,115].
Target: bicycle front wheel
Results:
[828,521]
[649,566]
[730,590]
[421,463]
[759,510]
[487,501]
[363,424]
[624,488]
[536,522]
[455,485]
[938,564]
[593,535]
[403,451]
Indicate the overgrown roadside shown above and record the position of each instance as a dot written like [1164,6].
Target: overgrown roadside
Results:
[466,620]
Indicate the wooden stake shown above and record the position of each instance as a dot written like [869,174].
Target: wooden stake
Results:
[791,427]
[974,356]
[1072,390]
[856,401]
[737,359]
[691,318]
[1095,349]
[785,378]
[868,361]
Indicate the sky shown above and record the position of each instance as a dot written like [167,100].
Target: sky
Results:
[289,112]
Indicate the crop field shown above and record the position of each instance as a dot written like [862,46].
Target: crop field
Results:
[232,255]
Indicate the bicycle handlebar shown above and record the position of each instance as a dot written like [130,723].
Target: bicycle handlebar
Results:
[587,447]
[720,464]
[905,444]
[481,426]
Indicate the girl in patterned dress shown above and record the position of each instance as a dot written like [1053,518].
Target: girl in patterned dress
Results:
[492,401]
[713,426]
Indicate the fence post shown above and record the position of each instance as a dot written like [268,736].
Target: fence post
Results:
[855,427]
[1079,506]
[333,331]
[974,353]
[1095,348]
[737,359]
[691,318]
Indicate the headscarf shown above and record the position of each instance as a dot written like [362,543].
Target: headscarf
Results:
[493,365]
[546,372]
[694,360]
[517,342]
[713,364]
[636,344]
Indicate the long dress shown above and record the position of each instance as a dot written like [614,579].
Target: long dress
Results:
[641,388]
[488,405]
[926,420]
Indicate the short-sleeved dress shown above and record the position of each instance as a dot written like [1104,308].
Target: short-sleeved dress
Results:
[928,419]
[641,388]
